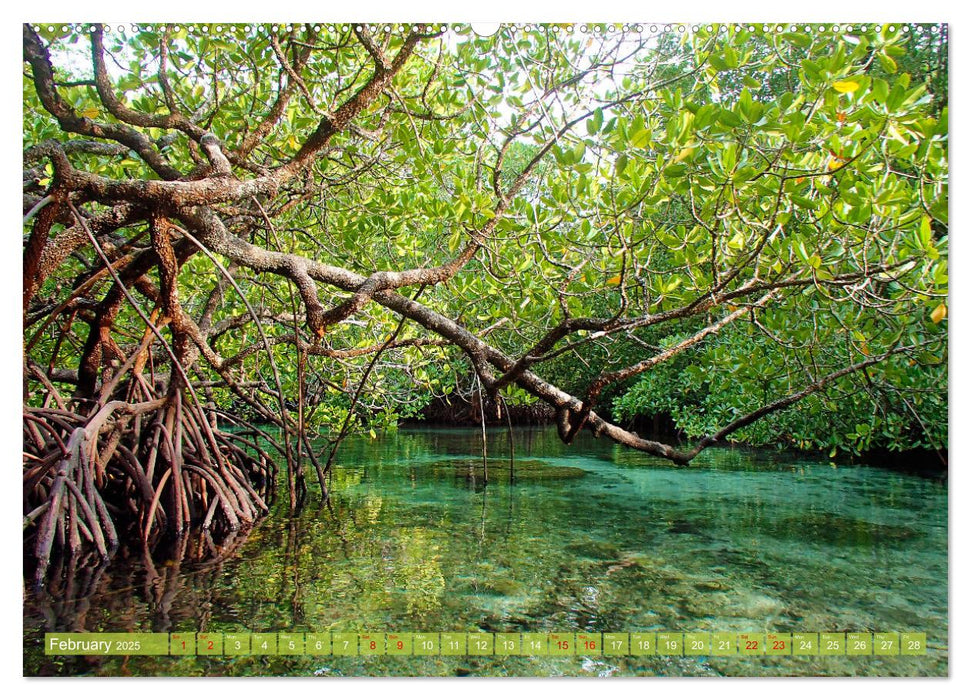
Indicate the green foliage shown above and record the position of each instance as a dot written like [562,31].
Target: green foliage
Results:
[899,409]
[658,172]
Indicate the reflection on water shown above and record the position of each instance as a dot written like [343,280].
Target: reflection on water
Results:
[588,537]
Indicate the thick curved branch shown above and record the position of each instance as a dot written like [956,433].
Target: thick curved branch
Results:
[120,110]
[343,115]
[330,353]
[45,149]
[37,55]
[254,138]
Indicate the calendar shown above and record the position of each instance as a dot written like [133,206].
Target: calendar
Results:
[486,644]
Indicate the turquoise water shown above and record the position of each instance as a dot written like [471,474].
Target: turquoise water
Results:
[588,537]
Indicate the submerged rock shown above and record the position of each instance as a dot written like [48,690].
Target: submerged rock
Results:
[501,587]
[708,586]
[830,528]
[523,470]
[594,549]
[684,527]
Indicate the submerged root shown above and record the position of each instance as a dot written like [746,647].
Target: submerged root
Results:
[148,468]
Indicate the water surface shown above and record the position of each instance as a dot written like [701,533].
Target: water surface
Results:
[588,537]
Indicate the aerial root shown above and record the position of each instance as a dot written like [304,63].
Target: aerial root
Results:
[88,477]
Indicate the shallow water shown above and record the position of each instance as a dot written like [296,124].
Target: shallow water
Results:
[589,537]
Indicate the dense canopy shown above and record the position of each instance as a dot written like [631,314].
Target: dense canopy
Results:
[304,226]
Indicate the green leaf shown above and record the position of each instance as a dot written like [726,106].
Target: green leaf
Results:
[729,118]
[641,139]
[887,63]
[621,164]
[676,170]
[595,122]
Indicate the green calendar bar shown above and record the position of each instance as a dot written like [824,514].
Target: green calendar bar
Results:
[643,644]
[264,644]
[209,644]
[751,644]
[832,644]
[723,644]
[859,644]
[106,644]
[565,644]
[182,644]
[562,644]
[425,644]
[805,644]
[480,643]
[399,644]
[697,643]
[778,644]
[344,644]
[616,644]
[371,644]
[589,644]
[453,644]
[236,643]
[292,644]
[317,644]
[670,643]
[508,644]
[536,644]
[913,643]
[886,643]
